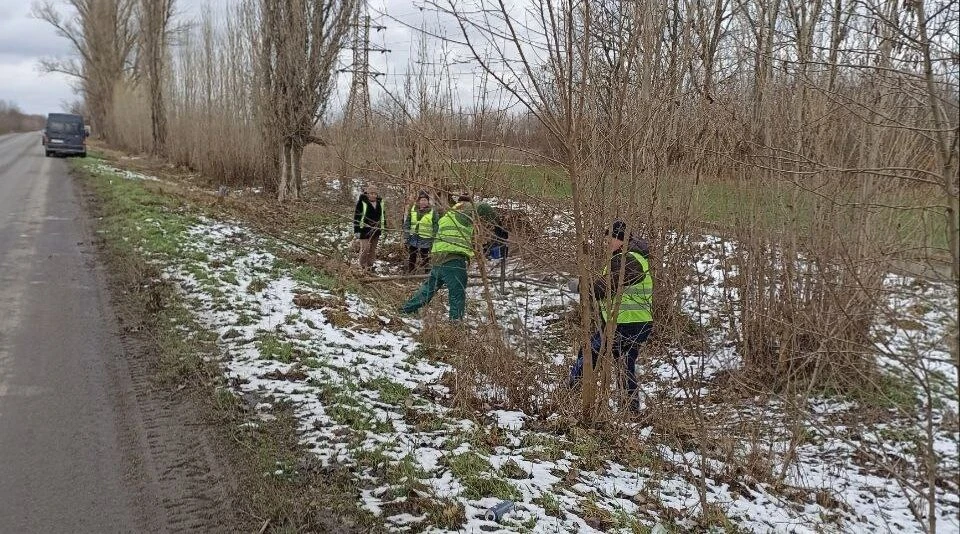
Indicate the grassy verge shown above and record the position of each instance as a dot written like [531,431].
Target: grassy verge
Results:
[540,180]
[727,202]
[278,484]
[368,392]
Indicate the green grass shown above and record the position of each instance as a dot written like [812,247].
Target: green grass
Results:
[313,278]
[271,348]
[885,390]
[588,450]
[389,391]
[782,205]
[550,504]
[355,418]
[625,522]
[726,202]
[489,485]
[345,409]
[479,479]
[312,363]
[889,391]
[468,464]
[304,498]
[154,222]
[256,285]
[542,447]
[511,469]
[405,470]
[246,319]
[540,180]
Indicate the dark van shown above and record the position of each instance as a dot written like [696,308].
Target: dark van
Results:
[65,134]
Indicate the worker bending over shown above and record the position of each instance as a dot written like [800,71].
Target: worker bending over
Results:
[450,254]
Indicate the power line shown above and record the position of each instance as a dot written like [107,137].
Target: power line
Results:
[358,103]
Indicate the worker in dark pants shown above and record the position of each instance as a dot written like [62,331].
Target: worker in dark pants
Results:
[449,256]
[634,320]
[369,221]
[419,228]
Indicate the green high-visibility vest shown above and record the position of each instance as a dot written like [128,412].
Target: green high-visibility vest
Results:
[383,215]
[422,226]
[452,235]
[636,303]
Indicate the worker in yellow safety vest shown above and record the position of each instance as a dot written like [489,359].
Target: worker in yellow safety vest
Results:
[632,298]
[452,249]
[369,221]
[419,229]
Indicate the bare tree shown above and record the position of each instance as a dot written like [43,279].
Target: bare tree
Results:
[14,120]
[298,46]
[155,18]
[103,35]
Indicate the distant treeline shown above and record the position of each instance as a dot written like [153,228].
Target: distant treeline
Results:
[14,120]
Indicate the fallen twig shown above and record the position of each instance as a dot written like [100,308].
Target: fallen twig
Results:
[402,277]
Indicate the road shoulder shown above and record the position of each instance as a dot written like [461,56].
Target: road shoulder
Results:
[199,436]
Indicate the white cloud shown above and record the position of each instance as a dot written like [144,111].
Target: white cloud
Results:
[33,91]
[23,42]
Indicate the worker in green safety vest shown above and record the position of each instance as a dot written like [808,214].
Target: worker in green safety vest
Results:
[634,319]
[419,228]
[451,251]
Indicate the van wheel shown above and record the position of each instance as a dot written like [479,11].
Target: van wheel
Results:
[46,153]
[83,154]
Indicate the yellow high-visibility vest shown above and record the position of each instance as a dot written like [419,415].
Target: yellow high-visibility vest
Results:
[636,303]
[452,236]
[421,226]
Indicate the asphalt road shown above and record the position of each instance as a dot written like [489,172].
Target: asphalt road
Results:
[86,442]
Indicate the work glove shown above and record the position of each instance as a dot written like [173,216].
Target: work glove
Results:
[573,285]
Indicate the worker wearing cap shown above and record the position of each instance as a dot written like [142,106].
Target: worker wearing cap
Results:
[419,228]
[451,251]
[634,317]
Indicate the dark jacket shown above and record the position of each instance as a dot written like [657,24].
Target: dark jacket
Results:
[372,224]
[633,272]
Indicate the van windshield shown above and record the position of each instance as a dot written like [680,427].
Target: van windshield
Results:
[64,127]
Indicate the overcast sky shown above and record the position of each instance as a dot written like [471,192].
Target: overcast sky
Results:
[25,40]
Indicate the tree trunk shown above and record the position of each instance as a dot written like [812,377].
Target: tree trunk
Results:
[835,38]
[296,170]
[155,17]
[283,188]
[158,116]
[346,180]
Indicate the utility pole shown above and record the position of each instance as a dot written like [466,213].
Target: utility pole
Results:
[358,103]
[357,117]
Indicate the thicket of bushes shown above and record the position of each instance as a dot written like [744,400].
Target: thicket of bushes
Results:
[14,120]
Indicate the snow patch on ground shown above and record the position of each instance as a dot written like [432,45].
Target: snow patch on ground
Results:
[349,373]
[103,168]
